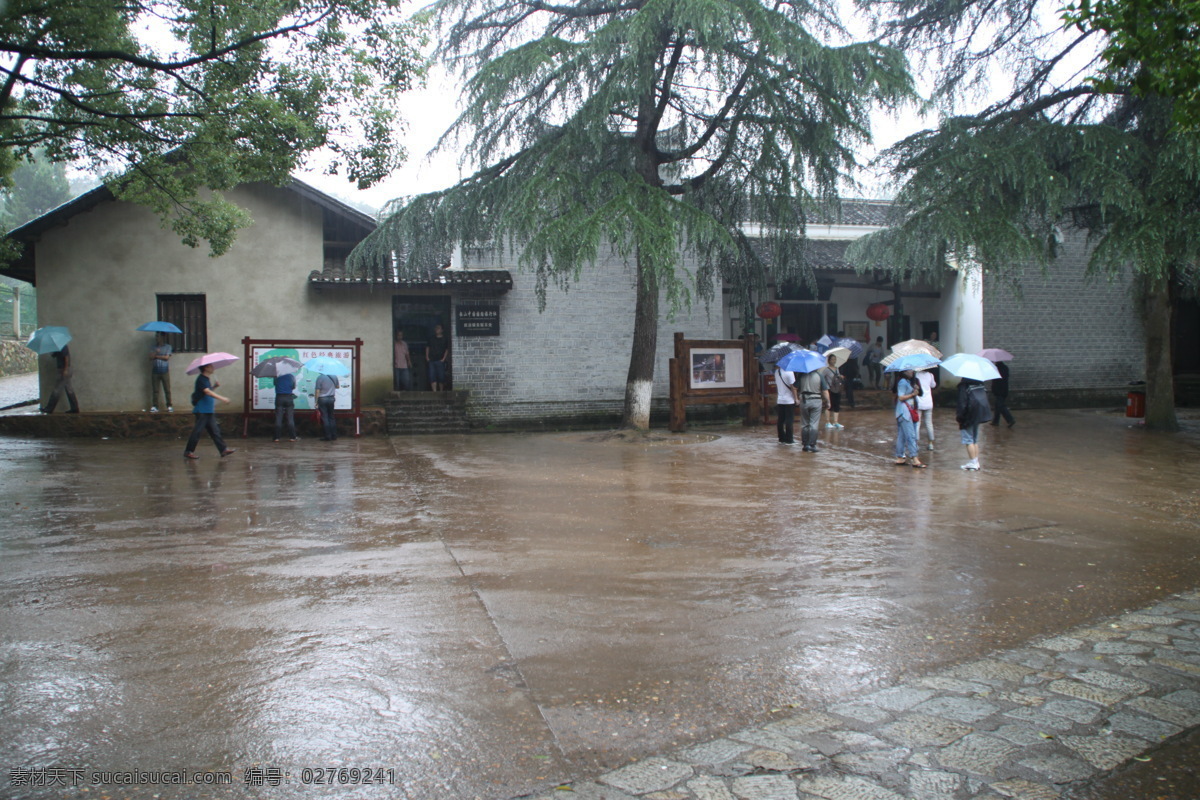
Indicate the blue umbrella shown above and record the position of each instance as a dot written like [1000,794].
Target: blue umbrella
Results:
[966,365]
[823,344]
[158,326]
[325,365]
[49,339]
[802,361]
[914,361]
[778,351]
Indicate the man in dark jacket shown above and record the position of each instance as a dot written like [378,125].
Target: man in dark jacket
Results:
[1000,395]
[971,411]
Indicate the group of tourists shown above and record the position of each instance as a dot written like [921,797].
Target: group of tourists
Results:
[811,393]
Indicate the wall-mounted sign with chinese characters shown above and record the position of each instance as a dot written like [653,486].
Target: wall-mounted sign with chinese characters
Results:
[477,320]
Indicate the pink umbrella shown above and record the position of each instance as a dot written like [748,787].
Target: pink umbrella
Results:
[216,359]
[994,354]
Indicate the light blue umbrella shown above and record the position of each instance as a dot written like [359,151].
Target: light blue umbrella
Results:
[802,361]
[158,326]
[49,339]
[967,365]
[913,361]
[324,365]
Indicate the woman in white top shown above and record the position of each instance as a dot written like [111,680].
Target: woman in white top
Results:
[925,404]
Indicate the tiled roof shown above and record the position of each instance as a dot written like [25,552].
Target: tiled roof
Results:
[434,278]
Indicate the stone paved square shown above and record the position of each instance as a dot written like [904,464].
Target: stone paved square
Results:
[765,787]
[991,670]
[1143,727]
[1171,712]
[653,774]
[1074,710]
[1088,692]
[917,730]
[717,751]
[1058,768]
[977,753]
[1105,752]
[960,709]
[899,698]
[847,789]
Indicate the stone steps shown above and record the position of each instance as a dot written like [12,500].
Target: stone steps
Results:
[421,413]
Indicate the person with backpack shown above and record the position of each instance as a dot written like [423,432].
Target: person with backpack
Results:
[971,412]
[836,383]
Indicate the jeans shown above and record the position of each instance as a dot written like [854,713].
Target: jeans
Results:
[810,417]
[927,418]
[206,422]
[785,414]
[402,378]
[160,379]
[328,423]
[285,408]
[876,374]
[906,438]
[437,371]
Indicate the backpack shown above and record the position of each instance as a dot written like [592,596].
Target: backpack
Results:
[836,383]
[978,409]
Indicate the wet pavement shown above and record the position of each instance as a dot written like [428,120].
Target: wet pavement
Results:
[490,616]
[19,393]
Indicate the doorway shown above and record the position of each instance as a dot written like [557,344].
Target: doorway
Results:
[416,316]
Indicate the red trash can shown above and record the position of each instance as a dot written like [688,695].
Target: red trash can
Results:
[1135,404]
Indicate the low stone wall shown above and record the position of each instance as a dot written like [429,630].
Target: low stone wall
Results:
[171,426]
[16,358]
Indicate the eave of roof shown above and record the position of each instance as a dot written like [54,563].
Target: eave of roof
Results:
[496,279]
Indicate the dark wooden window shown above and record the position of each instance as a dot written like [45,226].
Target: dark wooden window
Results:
[189,312]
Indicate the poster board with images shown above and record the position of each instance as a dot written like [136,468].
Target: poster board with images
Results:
[259,397]
[716,367]
[859,331]
[713,371]
[262,392]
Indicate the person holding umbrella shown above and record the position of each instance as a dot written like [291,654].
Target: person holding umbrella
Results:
[908,389]
[160,375]
[972,410]
[62,366]
[285,404]
[204,403]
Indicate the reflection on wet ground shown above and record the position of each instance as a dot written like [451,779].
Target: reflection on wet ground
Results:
[487,615]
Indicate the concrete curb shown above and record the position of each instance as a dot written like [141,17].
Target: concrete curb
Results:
[1022,723]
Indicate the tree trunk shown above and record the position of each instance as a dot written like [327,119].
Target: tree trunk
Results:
[1160,380]
[639,385]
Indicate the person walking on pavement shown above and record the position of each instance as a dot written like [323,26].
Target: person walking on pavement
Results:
[908,389]
[814,396]
[324,392]
[204,406]
[62,364]
[1000,395]
[786,399]
[970,412]
[285,405]
[160,372]
[925,405]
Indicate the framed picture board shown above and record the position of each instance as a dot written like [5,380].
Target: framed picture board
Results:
[859,331]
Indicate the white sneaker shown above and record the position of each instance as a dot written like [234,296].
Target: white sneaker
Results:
[171,410]
[829,425]
[971,466]
[153,409]
[930,447]
[838,425]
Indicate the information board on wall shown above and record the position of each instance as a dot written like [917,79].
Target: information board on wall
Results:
[263,389]
[477,320]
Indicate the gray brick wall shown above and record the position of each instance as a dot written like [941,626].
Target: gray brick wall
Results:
[1069,333]
[571,359]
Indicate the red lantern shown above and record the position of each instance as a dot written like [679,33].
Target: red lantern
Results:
[769,309]
[878,312]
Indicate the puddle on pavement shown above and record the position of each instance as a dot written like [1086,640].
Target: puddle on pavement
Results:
[489,614]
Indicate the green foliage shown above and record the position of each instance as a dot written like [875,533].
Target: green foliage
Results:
[1153,41]
[235,91]
[32,188]
[650,126]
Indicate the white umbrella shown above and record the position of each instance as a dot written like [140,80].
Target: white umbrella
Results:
[968,365]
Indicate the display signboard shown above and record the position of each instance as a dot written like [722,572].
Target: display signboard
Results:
[481,319]
[262,392]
